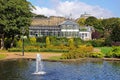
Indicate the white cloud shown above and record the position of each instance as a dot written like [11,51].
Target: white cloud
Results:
[44,11]
[76,8]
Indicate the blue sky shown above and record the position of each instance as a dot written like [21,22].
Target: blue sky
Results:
[97,8]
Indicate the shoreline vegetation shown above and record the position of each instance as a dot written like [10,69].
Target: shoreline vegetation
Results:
[47,56]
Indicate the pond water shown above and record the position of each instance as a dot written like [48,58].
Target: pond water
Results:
[23,69]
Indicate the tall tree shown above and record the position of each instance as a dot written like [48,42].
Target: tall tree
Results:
[108,25]
[3,21]
[15,14]
[91,21]
[81,21]
[115,34]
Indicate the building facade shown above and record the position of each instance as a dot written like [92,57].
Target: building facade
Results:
[67,28]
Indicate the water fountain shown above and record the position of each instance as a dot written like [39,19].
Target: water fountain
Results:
[39,66]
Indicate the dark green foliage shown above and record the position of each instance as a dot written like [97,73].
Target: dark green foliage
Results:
[93,21]
[40,39]
[116,52]
[108,42]
[115,35]
[78,41]
[108,25]
[14,14]
[7,43]
[97,42]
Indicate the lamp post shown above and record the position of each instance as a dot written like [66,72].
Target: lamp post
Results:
[23,32]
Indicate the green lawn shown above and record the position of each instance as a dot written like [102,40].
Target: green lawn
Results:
[2,56]
[55,58]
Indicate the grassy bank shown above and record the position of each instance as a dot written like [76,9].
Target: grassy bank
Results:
[2,56]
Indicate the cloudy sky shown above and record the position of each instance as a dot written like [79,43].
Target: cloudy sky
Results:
[97,8]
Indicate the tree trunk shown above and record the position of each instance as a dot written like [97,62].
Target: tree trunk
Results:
[11,45]
[2,41]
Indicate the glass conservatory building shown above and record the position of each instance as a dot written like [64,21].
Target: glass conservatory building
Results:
[67,29]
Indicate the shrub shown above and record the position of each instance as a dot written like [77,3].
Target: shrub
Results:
[109,55]
[116,52]
[81,52]
[47,41]
[96,55]
[41,39]
[71,43]
[78,41]
[15,49]
[32,40]
[19,43]
[86,48]
[108,41]
[73,54]
[111,52]
[97,43]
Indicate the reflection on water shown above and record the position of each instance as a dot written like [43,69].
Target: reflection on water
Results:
[80,70]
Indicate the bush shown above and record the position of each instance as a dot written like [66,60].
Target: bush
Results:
[32,40]
[116,52]
[111,52]
[74,54]
[96,55]
[19,43]
[109,55]
[78,41]
[15,49]
[97,43]
[48,42]
[108,41]
[41,39]
[81,52]
[71,43]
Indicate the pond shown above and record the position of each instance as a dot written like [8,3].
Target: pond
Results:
[80,70]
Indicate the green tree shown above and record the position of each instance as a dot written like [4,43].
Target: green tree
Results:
[14,15]
[115,34]
[81,21]
[108,25]
[93,21]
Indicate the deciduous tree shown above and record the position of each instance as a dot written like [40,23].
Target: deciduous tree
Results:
[14,14]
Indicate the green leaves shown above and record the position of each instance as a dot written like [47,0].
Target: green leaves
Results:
[14,14]
[115,34]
